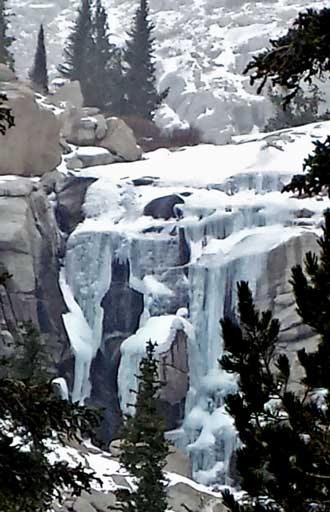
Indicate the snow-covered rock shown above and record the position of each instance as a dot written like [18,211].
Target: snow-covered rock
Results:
[202,48]
[89,156]
[181,489]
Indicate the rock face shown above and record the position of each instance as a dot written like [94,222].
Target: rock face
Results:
[70,197]
[29,247]
[32,146]
[174,371]
[275,292]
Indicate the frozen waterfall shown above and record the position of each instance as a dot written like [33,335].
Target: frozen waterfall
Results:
[231,219]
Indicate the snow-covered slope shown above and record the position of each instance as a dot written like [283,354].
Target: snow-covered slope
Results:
[235,225]
[202,47]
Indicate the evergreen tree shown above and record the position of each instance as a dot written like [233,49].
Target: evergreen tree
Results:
[141,96]
[79,52]
[284,462]
[144,448]
[39,74]
[301,54]
[302,109]
[6,117]
[106,65]
[33,421]
[6,57]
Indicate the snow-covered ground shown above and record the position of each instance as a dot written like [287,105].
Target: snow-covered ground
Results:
[108,472]
[202,48]
[233,215]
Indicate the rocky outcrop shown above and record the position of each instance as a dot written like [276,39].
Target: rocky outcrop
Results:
[32,146]
[87,127]
[29,247]
[180,490]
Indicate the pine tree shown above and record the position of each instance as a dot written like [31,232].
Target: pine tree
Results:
[284,462]
[39,74]
[106,65]
[33,421]
[302,109]
[312,292]
[141,96]
[6,117]
[300,55]
[144,448]
[6,57]
[79,52]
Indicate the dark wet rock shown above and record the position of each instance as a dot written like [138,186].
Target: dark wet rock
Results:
[163,207]
[141,182]
[70,199]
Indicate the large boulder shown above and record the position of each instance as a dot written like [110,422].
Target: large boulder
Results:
[183,497]
[6,74]
[32,146]
[120,140]
[87,156]
[67,93]
[29,248]
[82,126]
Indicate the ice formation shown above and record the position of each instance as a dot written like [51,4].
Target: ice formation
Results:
[232,217]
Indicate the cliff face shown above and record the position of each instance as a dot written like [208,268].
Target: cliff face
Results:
[30,245]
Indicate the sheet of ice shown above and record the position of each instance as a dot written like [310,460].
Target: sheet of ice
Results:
[203,165]
[81,340]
